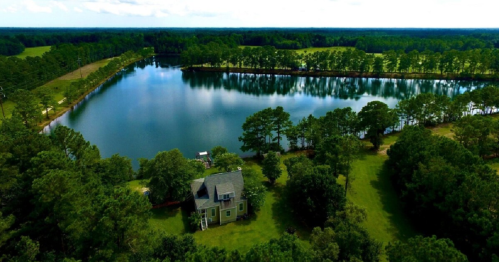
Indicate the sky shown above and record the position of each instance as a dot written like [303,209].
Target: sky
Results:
[254,13]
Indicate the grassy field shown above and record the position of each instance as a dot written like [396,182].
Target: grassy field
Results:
[33,51]
[372,189]
[60,84]
[311,49]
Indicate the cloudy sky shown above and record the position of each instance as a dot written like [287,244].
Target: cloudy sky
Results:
[254,13]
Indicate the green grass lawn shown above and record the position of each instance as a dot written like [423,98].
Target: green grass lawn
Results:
[311,49]
[33,51]
[373,190]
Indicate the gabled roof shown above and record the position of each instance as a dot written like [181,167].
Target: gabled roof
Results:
[224,188]
[231,181]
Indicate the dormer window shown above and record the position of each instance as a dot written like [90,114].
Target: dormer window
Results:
[225,191]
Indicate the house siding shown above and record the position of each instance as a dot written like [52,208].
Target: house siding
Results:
[244,211]
[225,219]
[216,218]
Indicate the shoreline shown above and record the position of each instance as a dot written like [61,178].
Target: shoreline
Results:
[422,76]
[46,122]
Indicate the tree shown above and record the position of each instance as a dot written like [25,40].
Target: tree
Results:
[170,176]
[324,245]
[254,191]
[286,248]
[256,128]
[376,117]
[339,152]
[271,167]
[473,132]
[26,107]
[281,123]
[116,170]
[46,97]
[218,150]
[424,249]
[316,195]
[228,161]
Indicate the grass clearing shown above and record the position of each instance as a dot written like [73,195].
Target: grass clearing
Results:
[373,190]
[59,85]
[33,51]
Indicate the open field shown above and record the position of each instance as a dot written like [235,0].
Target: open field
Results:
[60,84]
[33,51]
[311,49]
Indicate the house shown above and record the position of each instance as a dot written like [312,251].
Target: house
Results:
[218,198]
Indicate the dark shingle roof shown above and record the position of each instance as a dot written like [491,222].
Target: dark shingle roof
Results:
[232,181]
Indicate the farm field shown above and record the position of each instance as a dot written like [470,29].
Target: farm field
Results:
[33,51]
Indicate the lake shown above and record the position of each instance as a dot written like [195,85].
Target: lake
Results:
[153,106]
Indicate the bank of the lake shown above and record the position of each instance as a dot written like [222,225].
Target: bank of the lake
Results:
[63,109]
[391,75]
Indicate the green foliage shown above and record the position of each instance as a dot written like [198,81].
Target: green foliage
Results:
[26,107]
[339,152]
[174,248]
[46,97]
[170,176]
[376,117]
[271,167]
[473,132]
[316,195]
[218,150]
[28,250]
[438,179]
[5,224]
[254,191]
[195,221]
[116,170]
[286,248]
[424,249]
[228,161]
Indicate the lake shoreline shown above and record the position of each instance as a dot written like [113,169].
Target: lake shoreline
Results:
[46,122]
[425,76]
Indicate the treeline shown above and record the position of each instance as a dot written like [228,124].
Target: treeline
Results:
[10,46]
[465,63]
[372,44]
[79,87]
[264,130]
[29,73]
[447,189]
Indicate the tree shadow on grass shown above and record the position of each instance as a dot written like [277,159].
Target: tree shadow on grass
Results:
[283,213]
[400,225]
[168,216]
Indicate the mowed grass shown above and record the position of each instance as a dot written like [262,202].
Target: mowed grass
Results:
[271,221]
[373,190]
[33,51]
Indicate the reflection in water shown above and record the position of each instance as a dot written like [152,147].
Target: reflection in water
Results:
[152,106]
[336,87]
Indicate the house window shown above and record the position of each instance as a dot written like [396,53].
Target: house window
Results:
[212,212]
[227,213]
[226,196]
[241,206]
